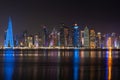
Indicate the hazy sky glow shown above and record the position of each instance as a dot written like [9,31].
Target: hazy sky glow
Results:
[104,16]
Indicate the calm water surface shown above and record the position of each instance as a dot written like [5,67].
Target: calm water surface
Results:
[59,65]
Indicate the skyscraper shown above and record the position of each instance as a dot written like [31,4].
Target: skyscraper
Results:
[64,30]
[109,42]
[30,41]
[45,36]
[82,38]
[76,36]
[86,37]
[58,39]
[92,38]
[9,35]
[36,40]
[98,39]
[66,33]
[53,38]
[25,34]
[62,39]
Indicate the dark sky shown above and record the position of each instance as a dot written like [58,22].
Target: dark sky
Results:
[104,16]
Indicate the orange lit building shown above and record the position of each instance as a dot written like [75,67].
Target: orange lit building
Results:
[92,38]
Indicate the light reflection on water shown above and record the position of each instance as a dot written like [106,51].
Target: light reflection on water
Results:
[59,65]
[8,64]
[76,62]
[108,65]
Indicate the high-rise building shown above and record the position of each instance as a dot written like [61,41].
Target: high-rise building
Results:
[118,41]
[86,37]
[58,39]
[36,40]
[109,42]
[70,37]
[82,38]
[114,40]
[62,38]
[45,36]
[98,39]
[25,34]
[92,38]
[53,38]
[66,35]
[9,35]
[30,41]
[64,31]
[76,36]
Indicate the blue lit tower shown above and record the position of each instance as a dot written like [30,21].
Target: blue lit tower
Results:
[76,36]
[9,35]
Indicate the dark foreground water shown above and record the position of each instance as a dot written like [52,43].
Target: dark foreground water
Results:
[59,65]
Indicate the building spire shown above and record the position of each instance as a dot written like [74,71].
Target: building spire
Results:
[9,35]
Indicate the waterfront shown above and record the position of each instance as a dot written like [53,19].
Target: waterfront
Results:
[59,65]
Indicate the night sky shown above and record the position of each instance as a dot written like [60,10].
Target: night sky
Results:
[104,16]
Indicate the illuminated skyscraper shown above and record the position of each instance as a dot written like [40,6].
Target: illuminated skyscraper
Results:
[118,41]
[92,38]
[53,38]
[98,39]
[70,37]
[25,34]
[9,35]
[58,39]
[36,40]
[76,36]
[62,35]
[82,38]
[64,30]
[86,37]
[30,41]
[109,42]
[45,36]
[115,43]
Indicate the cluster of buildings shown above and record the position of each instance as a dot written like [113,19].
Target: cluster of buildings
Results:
[64,36]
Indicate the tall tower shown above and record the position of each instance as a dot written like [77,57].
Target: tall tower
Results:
[9,35]
[76,36]
[86,37]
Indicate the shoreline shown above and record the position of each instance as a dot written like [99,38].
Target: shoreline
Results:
[61,48]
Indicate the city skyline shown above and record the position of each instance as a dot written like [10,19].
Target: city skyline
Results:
[65,36]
